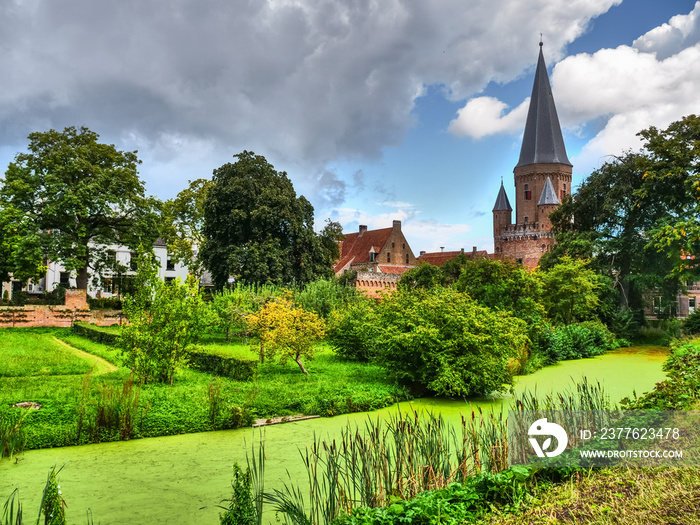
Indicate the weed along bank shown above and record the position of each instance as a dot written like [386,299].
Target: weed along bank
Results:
[182,478]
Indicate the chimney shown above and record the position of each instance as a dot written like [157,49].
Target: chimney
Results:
[462,251]
[442,248]
[363,229]
[397,226]
[473,250]
[422,252]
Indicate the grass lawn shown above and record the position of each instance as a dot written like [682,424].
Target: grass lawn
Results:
[82,404]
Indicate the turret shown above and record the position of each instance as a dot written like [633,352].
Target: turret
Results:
[502,212]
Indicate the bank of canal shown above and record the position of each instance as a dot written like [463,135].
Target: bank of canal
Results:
[170,479]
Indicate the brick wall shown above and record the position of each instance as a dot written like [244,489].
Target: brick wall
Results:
[75,309]
[372,284]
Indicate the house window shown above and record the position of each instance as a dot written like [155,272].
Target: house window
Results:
[392,244]
[691,305]
[170,265]
[388,257]
[132,262]
[169,280]
[527,219]
[406,258]
[371,256]
[30,287]
[528,192]
[64,279]
[520,261]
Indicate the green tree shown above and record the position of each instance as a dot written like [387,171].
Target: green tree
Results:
[257,230]
[442,341]
[671,166]
[76,194]
[165,323]
[607,221]
[570,291]
[182,222]
[21,253]
[286,331]
[232,306]
[425,276]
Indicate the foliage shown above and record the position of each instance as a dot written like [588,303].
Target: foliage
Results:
[224,366]
[443,341]
[353,331]
[257,230]
[286,331]
[671,166]
[165,323]
[570,291]
[506,286]
[389,460]
[425,276]
[691,324]
[104,303]
[241,509]
[577,341]
[95,333]
[681,388]
[232,306]
[325,296]
[182,221]
[12,436]
[77,194]
[52,505]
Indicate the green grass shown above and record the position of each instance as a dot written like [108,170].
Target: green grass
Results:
[36,353]
[67,394]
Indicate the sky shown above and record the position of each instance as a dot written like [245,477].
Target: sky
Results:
[378,110]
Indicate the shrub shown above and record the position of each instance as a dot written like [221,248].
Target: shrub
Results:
[95,333]
[241,509]
[576,341]
[691,324]
[104,303]
[352,331]
[231,367]
[325,296]
[442,341]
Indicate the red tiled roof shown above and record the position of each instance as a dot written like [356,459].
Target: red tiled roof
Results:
[357,247]
[398,270]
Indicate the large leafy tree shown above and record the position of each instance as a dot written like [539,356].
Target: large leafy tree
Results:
[182,222]
[72,195]
[257,230]
[671,167]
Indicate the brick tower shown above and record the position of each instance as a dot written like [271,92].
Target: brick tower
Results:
[542,178]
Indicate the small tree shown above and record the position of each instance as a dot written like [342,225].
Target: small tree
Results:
[286,330]
[232,306]
[165,323]
[570,291]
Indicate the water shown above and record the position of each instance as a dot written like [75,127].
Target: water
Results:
[170,479]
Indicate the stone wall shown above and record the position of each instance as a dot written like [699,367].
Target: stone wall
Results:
[373,284]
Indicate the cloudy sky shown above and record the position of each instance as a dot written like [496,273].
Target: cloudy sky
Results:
[377,109]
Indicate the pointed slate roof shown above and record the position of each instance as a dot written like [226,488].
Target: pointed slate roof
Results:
[548,196]
[502,202]
[542,141]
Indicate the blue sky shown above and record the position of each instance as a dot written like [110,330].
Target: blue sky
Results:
[377,109]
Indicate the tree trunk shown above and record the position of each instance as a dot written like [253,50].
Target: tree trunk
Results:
[81,281]
[297,360]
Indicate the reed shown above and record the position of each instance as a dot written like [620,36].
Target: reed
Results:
[12,436]
[12,510]
[399,457]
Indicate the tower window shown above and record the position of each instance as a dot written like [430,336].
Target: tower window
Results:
[563,191]
[527,220]
[528,192]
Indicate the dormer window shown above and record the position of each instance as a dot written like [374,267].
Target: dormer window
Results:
[372,255]
[528,192]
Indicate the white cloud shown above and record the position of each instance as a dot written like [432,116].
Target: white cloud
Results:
[671,38]
[483,116]
[304,82]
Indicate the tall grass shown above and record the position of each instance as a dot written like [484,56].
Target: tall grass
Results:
[12,435]
[397,458]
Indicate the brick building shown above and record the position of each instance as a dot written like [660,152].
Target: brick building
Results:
[378,256]
[542,178]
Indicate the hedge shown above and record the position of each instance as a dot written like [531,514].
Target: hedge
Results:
[237,369]
[94,333]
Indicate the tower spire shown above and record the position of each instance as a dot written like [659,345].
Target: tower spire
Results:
[543,142]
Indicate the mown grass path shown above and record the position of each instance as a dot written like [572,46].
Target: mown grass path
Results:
[100,366]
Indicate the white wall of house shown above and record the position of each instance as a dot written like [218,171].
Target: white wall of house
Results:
[57,274]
